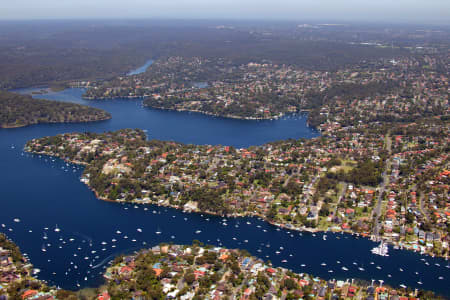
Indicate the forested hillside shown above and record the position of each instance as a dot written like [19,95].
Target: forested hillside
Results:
[21,110]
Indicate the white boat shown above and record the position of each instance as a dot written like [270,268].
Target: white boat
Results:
[323,264]
[17,220]
[344,268]
[198,231]
[57,229]
[284,261]
[139,230]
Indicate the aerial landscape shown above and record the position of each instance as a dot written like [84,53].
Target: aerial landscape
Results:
[188,150]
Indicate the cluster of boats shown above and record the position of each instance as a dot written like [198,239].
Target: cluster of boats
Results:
[381,249]
[88,255]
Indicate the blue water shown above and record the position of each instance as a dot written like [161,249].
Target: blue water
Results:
[43,193]
[141,69]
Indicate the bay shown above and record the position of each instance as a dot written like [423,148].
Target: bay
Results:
[46,193]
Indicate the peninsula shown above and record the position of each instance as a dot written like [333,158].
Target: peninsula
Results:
[22,110]
[385,181]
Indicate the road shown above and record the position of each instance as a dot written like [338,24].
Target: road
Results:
[422,208]
[377,210]
[340,196]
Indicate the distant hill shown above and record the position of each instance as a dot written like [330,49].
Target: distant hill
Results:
[22,110]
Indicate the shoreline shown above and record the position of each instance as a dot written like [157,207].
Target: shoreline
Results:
[282,114]
[38,123]
[217,115]
[287,226]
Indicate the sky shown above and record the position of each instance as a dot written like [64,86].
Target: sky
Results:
[395,11]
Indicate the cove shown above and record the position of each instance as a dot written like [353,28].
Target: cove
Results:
[44,193]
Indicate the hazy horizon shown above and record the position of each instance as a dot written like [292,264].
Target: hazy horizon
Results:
[401,11]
